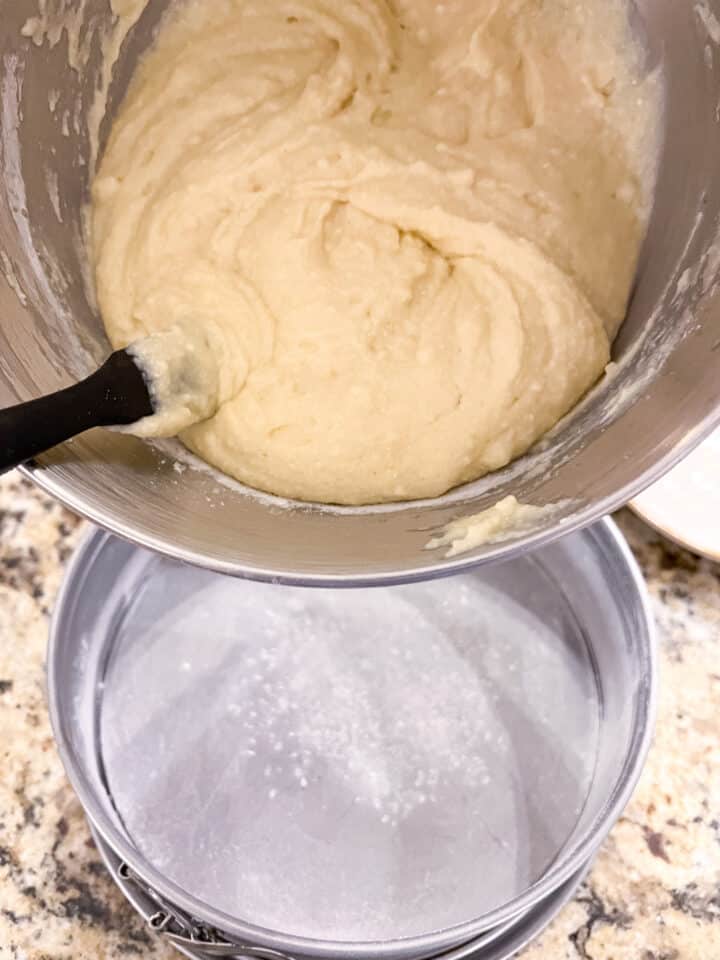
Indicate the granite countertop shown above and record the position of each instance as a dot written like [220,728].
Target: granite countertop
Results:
[654,893]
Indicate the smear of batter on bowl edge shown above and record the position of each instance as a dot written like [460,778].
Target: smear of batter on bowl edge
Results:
[406,230]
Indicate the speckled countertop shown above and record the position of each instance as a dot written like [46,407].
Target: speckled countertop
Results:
[654,893]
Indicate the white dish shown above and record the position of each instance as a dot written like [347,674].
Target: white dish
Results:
[685,504]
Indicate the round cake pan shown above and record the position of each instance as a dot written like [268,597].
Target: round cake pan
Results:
[398,772]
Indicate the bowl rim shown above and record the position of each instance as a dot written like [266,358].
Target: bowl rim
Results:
[46,477]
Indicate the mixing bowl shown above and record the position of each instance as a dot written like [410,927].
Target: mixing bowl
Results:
[660,401]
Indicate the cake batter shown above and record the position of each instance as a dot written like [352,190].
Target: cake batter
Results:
[404,232]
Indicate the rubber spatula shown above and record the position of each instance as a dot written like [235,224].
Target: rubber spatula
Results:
[115,395]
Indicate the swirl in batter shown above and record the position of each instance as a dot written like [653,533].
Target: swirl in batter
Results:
[404,231]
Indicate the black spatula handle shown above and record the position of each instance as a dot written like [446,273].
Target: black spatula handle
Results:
[115,395]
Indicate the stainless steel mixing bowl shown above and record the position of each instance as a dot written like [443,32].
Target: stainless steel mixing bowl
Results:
[662,400]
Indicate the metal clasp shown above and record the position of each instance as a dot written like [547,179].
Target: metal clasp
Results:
[180,929]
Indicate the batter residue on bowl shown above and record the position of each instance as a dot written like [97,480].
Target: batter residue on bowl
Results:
[407,230]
